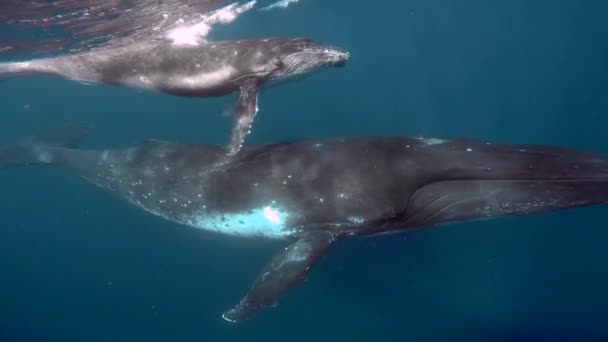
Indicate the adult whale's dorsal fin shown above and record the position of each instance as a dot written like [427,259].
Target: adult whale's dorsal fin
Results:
[244,113]
[287,269]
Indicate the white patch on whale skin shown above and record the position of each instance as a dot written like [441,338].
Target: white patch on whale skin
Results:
[356,219]
[299,253]
[45,157]
[209,79]
[266,222]
[432,141]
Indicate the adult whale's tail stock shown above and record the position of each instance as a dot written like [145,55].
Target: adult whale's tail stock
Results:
[43,148]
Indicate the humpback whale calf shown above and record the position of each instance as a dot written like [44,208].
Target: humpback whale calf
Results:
[314,193]
[206,70]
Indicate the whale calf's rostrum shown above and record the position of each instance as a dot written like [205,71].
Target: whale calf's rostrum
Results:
[205,70]
[314,193]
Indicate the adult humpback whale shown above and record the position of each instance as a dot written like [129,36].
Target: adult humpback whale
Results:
[204,70]
[315,193]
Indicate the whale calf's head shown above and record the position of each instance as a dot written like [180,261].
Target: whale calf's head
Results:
[277,59]
[300,56]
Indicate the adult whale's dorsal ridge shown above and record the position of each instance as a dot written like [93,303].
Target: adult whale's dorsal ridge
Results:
[210,69]
[313,193]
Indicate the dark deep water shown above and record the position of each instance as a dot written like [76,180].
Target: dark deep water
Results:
[78,264]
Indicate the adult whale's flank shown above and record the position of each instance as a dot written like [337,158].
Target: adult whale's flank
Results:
[205,70]
[315,193]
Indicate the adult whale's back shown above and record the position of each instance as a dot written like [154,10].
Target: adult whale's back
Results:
[203,70]
[318,192]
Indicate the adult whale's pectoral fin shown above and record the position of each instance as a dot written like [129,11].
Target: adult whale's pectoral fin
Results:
[286,270]
[244,113]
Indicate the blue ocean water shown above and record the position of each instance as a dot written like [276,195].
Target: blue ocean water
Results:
[79,264]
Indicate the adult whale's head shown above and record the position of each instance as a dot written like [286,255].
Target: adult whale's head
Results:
[276,59]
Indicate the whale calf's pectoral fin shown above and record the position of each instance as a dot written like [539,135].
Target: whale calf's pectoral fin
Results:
[244,113]
[286,270]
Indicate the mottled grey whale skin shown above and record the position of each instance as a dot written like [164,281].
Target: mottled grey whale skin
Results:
[315,193]
[205,70]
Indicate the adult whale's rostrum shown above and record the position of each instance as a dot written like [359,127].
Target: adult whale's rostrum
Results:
[205,70]
[315,193]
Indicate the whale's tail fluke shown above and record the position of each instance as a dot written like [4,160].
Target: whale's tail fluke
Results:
[44,148]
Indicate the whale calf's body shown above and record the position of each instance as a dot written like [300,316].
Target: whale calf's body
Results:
[314,193]
[204,70]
